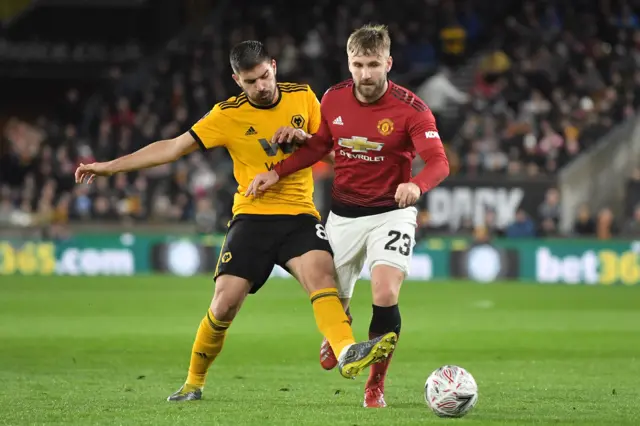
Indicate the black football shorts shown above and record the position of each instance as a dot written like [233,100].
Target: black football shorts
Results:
[254,244]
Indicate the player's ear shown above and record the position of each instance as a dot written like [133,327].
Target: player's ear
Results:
[236,79]
[274,66]
[389,63]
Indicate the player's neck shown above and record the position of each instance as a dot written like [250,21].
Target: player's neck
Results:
[376,98]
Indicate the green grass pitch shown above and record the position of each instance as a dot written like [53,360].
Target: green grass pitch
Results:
[107,350]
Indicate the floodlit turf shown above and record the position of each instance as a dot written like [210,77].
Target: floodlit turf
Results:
[109,351]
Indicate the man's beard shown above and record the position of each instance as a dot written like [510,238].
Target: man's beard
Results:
[264,98]
[372,91]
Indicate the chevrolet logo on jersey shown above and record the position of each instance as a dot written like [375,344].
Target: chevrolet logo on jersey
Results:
[360,144]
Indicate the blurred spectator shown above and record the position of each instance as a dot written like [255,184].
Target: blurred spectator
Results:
[522,227]
[103,210]
[606,227]
[439,91]
[422,225]
[205,216]
[491,225]
[453,36]
[632,227]
[632,193]
[549,212]
[481,235]
[493,66]
[584,224]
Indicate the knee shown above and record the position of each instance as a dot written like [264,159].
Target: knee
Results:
[385,284]
[319,274]
[224,310]
[385,293]
[224,306]
[321,279]
[228,297]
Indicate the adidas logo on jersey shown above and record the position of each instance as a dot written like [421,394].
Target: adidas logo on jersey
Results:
[338,121]
[251,132]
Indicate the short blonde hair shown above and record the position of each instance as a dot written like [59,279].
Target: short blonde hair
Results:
[369,40]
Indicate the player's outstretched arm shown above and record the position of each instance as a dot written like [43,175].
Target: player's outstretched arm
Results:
[288,134]
[307,155]
[315,149]
[154,154]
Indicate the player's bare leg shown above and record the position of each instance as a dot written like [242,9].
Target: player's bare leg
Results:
[386,281]
[315,271]
[230,293]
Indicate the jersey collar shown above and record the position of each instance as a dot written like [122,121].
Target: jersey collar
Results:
[273,105]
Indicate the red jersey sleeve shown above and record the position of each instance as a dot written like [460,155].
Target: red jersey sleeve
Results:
[313,150]
[426,140]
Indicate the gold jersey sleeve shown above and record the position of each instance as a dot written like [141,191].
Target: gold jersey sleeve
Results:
[209,130]
[246,130]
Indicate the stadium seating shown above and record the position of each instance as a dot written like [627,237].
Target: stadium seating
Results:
[544,81]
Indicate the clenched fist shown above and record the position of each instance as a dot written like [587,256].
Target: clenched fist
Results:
[407,194]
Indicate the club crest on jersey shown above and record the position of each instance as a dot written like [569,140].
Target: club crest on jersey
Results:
[385,127]
[297,121]
[360,144]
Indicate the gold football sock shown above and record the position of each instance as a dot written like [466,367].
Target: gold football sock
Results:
[331,319]
[206,348]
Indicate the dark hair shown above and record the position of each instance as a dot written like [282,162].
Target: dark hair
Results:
[247,54]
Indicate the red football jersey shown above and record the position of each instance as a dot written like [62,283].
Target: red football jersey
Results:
[374,146]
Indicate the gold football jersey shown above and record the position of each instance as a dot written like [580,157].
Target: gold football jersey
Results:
[246,129]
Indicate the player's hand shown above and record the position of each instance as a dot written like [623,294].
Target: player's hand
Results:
[262,182]
[88,172]
[407,194]
[289,134]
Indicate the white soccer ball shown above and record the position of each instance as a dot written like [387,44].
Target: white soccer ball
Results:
[450,391]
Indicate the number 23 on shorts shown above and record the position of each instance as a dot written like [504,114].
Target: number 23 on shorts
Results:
[399,242]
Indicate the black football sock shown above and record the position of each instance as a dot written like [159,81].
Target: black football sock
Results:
[385,319]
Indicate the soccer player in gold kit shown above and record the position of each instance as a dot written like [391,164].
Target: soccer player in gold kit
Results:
[280,228]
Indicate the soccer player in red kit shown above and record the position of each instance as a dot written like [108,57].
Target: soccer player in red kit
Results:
[374,128]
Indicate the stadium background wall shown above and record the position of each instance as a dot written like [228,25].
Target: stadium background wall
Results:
[459,197]
[579,261]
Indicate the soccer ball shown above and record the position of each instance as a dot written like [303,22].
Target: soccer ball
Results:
[450,391]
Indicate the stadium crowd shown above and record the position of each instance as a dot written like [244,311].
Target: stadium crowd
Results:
[557,80]
[551,78]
